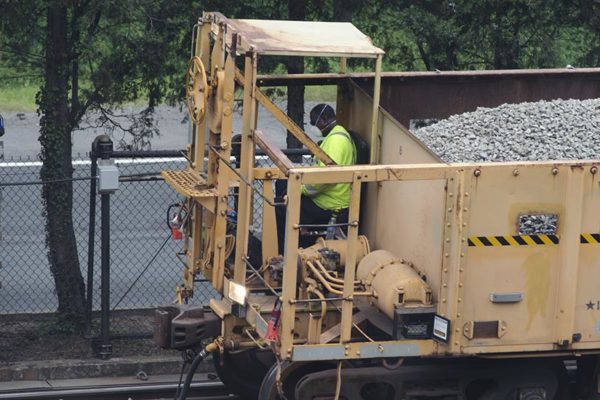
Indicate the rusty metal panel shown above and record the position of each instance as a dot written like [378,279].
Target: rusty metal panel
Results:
[409,96]
[301,38]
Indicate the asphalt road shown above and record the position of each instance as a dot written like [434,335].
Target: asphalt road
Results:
[22,132]
[138,215]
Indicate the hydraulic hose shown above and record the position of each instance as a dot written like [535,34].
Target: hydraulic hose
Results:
[190,375]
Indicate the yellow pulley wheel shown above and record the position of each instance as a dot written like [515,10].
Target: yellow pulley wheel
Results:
[196,90]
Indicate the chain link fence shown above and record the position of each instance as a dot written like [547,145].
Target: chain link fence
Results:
[144,267]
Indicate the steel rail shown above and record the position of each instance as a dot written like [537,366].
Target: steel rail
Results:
[204,390]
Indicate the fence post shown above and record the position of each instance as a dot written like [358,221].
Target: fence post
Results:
[91,238]
[108,182]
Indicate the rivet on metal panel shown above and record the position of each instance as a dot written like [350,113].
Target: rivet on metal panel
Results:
[447,240]
[445,285]
[467,194]
[449,225]
[296,226]
[462,254]
[445,269]
[346,353]
[450,209]
[443,301]
[477,172]
[465,209]
[223,213]
[459,300]
[515,172]
[463,240]
[456,343]
[297,177]
[461,269]
[358,352]
[450,194]
[593,170]
[464,224]
[380,348]
[554,171]
[446,255]
[458,315]
[219,245]
[460,284]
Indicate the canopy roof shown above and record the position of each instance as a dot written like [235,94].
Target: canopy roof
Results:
[297,38]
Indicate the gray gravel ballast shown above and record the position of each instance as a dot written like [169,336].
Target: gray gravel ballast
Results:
[545,130]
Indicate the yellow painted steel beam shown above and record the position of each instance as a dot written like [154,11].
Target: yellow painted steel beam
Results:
[350,268]
[289,287]
[281,160]
[394,172]
[246,165]
[569,256]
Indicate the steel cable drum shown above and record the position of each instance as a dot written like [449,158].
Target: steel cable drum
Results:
[393,282]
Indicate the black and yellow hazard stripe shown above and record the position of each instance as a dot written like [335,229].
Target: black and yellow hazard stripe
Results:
[589,238]
[527,240]
[517,240]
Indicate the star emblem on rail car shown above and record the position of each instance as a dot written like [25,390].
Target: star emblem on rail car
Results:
[590,305]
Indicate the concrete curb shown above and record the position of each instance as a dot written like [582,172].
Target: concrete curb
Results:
[94,368]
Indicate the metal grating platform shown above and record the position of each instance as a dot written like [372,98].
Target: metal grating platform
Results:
[189,184]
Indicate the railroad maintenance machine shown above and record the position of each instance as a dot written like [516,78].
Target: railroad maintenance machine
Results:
[430,290]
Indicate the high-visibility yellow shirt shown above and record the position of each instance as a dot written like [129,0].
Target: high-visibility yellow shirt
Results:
[339,146]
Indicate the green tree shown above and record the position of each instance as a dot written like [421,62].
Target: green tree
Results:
[92,56]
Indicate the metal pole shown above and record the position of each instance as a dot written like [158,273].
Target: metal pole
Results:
[107,184]
[91,242]
[105,350]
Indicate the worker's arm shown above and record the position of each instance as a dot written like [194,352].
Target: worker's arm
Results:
[340,149]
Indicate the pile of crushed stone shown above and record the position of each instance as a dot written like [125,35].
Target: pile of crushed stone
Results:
[544,130]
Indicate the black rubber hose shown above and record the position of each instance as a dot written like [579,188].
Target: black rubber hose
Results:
[188,378]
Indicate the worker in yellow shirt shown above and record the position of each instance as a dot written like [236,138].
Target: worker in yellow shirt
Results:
[319,203]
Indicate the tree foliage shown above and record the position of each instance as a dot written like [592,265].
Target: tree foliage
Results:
[93,56]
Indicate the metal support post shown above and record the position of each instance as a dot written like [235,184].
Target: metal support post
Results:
[91,237]
[108,182]
[105,348]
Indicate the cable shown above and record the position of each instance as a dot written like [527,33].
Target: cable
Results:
[142,273]
[338,383]
[87,178]
[180,378]
[155,254]
[190,375]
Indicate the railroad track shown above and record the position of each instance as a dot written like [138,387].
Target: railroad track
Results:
[203,390]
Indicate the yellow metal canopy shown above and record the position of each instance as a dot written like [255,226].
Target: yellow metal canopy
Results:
[296,38]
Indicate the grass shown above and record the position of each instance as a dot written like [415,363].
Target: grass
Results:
[22,98]
[18,98]
[311,93]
